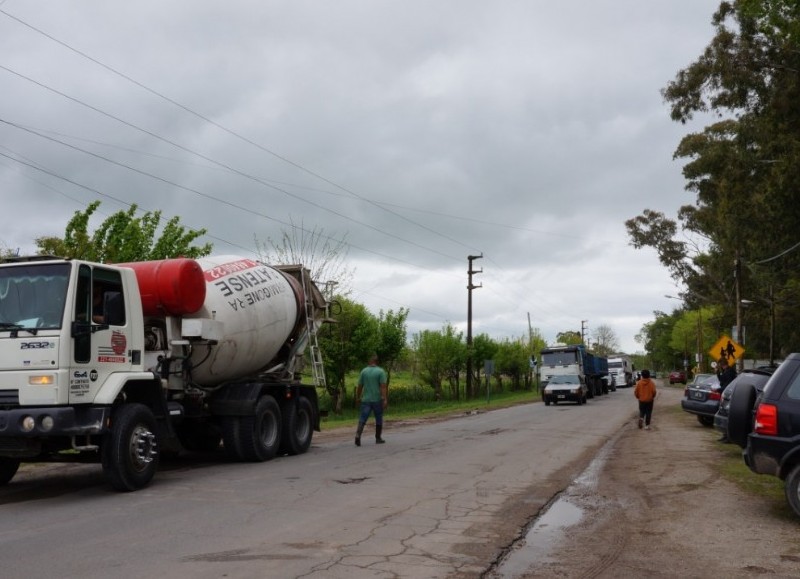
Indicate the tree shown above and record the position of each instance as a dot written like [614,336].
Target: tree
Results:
[442,356]
[346,345]
[742,168]
[122,237]
[605,340]
[512,360]
[483,348]
[391,339]
[324,256]
[570,338]
[656,336]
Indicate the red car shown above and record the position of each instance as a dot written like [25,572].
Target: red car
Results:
[677,376]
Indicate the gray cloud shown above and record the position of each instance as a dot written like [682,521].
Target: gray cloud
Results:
[529,131]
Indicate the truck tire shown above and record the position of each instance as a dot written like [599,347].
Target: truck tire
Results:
[792,489]
[260,434]
[8,468]
[130,449]
[740,414]
[298,427]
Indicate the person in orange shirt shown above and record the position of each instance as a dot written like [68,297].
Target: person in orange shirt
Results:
[645,392]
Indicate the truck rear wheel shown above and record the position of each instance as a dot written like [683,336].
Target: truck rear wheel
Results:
[8,468]
[297,427]
[260,434]
[130,449]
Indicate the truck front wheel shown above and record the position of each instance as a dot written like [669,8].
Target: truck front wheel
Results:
[130,449]
[260,434]
[298,429]
[8,468]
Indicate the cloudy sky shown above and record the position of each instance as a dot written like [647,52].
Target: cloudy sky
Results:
[421,131]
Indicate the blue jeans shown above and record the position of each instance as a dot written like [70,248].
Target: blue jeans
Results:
[371,407]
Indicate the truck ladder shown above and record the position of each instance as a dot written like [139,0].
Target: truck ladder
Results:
[317,366]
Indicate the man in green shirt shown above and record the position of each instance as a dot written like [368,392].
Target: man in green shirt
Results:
[372,395]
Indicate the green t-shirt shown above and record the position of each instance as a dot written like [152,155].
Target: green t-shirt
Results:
[370,381]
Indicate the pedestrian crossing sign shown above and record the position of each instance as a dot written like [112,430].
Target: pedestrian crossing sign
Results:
[726,348]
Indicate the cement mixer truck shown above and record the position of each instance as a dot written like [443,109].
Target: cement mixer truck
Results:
[121,363]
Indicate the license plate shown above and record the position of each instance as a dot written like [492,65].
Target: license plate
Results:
[562,395]
[697,395]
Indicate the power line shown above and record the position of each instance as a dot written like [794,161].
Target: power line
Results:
[226,129]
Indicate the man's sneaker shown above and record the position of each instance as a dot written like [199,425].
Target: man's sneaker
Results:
[647,427]
[358,441]
[641,422]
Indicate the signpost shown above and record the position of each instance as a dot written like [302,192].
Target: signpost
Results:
[726,348]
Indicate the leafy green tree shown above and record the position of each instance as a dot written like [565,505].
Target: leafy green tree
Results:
[123,237]
[656,336]
[743,168]
[512,360]
[483,348]
[346,345]
[441,356]
[569,337]
[391,339]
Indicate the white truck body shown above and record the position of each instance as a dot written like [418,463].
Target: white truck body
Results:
[122,362]
[621,369]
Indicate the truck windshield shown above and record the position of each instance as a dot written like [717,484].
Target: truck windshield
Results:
[561,358]
[614,364]
[33,295]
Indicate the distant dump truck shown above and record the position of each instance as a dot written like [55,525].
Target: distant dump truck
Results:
[118,363]
[621,370]
[560,360]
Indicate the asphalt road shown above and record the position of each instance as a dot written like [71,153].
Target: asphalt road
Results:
[439,499]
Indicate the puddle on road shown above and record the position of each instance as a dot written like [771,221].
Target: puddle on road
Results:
[547,531]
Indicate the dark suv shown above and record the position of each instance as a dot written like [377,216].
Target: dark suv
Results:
[756,377]
[767,426]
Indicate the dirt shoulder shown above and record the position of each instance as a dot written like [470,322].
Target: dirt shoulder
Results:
[663,509]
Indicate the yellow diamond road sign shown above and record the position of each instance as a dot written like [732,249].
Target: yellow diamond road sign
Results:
[726,348]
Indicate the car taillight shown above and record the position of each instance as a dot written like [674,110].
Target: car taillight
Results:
[766,420]
[715,395]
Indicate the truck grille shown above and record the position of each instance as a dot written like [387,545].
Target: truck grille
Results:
[9,398]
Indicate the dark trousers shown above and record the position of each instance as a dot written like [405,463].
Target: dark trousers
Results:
[646,411]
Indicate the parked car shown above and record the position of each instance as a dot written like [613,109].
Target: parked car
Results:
[767,426]
[702,400]
[756,377]
[701,378]
[677,376]
[563,389]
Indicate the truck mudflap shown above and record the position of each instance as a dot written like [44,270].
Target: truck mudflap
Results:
[53,421]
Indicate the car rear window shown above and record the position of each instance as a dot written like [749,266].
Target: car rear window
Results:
[794,389]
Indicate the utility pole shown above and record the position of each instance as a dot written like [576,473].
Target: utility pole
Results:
[583,329]
[737,274]
[470,287]
[771,326]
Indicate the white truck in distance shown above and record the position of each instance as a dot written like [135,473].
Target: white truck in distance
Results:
[621,370]
[117,363]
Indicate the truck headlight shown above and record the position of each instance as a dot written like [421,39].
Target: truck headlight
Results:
[27,423]
[47,423]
